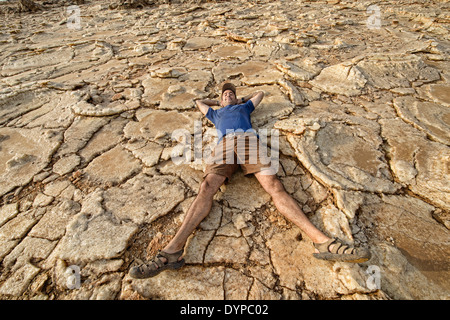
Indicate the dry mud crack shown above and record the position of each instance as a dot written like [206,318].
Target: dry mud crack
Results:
[88,183]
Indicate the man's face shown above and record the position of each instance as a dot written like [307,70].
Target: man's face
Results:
[228,97]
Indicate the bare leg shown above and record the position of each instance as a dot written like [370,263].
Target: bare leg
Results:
[198,210]
[289,207]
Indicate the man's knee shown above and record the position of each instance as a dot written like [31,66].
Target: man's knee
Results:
[271,184]
[276,186]
[211,184]
[205,187]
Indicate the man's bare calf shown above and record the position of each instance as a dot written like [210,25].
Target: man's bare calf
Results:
[198,210]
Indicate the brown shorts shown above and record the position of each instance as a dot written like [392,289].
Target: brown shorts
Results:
[238,149]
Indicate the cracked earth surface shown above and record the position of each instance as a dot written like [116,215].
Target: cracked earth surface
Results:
[87,180]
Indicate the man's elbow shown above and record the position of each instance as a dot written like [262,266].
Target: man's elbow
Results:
[200,105]
[258,95]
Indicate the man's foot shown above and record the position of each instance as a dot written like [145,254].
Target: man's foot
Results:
[334,250]
[161,262]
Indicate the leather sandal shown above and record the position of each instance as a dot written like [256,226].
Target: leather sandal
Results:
[335,250]
[157,265]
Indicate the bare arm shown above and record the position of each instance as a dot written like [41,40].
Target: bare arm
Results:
[204,104]
[256,98]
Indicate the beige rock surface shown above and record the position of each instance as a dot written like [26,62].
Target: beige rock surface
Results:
[87,117]
[25,152]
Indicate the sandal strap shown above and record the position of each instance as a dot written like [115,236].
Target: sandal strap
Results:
[171,257]
[158,261]
[338,248]
[341,248]
[324,247]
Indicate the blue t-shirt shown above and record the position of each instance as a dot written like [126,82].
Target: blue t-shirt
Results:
[231,118]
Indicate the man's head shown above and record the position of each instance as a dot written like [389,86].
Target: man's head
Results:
[228,94]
